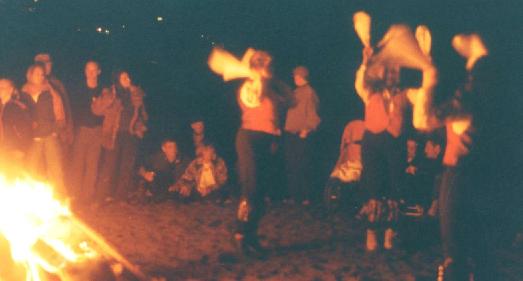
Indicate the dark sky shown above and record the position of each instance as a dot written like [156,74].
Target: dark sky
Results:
[168,57]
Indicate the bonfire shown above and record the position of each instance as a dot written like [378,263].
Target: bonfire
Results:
[41,239]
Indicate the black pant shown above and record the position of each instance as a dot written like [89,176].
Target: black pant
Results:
[384,159]
[463,228]
[297,166]
[254,154]
[117,167]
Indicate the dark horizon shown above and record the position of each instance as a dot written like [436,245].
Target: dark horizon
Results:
[167,56]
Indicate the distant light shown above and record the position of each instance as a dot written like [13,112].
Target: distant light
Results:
[107,31]
[201,35]
[123,26]
[99,29]
[159,18]
[35,1]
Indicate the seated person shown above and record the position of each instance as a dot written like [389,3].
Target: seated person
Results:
[205,175]
[163,170]
[348,167]
[412,192]
[430,171]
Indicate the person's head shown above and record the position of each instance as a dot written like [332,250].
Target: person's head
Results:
[7,89]
[392,76]
[122,79]
[412,146]
[198,126]
[46,60]
[260,62]
[432,149]
[170,149]
[206,152]
[301,76]
[92,70]
[36,74]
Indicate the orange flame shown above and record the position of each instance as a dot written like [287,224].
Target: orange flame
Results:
[362,23]
[45,239]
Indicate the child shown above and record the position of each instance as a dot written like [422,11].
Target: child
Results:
[204,176]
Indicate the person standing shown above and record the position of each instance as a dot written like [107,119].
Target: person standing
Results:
[15,124]
[260,99]
[65,129]
[302,120]
[47,113]
[124,126]
[383,149]
[88,139]
[467,170]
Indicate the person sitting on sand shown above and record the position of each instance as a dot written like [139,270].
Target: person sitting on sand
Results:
[205,175]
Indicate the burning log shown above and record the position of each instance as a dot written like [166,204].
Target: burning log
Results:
[41,239]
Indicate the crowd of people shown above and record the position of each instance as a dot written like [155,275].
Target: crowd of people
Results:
[87,147]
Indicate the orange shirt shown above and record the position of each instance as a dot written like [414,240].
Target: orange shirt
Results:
[261,118]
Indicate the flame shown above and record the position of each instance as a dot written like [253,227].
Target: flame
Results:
[362,23]
[39,228]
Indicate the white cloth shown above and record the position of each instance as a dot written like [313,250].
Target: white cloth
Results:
[207,180]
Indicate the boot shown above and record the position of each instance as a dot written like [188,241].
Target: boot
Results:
[372,242]
[388,239]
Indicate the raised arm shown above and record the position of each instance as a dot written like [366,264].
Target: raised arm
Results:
[359,81]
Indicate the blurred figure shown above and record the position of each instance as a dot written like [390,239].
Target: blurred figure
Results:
[302,121]
[466,178]
[65,131]
[47,114]
[345,177]
[124,126]
[198,133]
[15,124]
[163,170]
[205,177]
[88,139]
[260,98]
[383,144]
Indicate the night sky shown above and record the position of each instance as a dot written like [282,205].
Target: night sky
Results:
[165,44]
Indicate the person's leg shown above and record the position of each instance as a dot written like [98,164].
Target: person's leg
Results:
[93,149]
[78,166]
[53,157]
[294,158]
[35,157]
[247,179]
[126,172]
[396,159]
[372,176]
[450,224]
[104,186]
[253,151]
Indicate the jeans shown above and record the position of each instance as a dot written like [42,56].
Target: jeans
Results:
[45,158]
[84,165]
